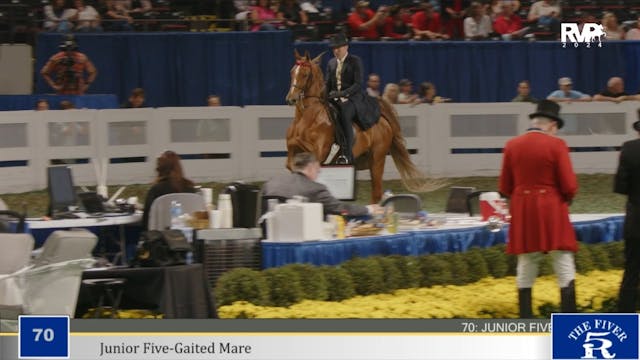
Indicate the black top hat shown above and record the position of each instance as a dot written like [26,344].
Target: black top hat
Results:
[338,40]
[68,43]
[548,109]
[636,125]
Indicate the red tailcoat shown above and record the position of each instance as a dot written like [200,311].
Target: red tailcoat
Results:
[538,178]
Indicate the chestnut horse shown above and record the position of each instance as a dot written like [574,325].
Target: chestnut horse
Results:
[312,131]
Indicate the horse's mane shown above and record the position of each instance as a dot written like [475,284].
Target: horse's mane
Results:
[318,86]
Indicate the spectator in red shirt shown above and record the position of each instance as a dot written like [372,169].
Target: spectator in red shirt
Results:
[364,22]
[395,27]
[453,11]
[507,23]
[426,24]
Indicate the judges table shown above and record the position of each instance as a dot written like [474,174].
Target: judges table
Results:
[177,292]
[41,229]
[454,236]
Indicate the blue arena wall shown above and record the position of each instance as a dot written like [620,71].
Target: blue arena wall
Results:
[181,69]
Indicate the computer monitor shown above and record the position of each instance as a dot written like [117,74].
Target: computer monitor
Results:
[60,188]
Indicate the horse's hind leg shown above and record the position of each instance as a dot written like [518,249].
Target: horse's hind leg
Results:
[376,169]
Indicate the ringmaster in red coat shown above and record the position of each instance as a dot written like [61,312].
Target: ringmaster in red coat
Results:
[538,178]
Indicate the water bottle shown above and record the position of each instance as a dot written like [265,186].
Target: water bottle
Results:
[391,219]
[177,221]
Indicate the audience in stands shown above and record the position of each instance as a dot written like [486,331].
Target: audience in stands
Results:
[477,26]
[426,23]
[391,92]
[57,17]
[612,27]
[545,13]
[453,12]
[42,104]
[428,94]
[86,17]
[137,9]
[434,19]
[634,33]
[373,85]
[291,14]
[69,71]
[136,100]
[396,24]
[214,100]
[242,12]
[170,179]
[406,95]
[263,18]
[524,93]
[364,22]
[115,15]
[566,94]
[507,24]
[614,91]
[496,7]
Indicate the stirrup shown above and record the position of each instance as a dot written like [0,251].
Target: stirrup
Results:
[342,160]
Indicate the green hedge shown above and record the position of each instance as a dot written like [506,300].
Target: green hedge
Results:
[293,283]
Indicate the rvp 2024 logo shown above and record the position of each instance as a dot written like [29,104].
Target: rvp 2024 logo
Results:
[571,32]
[594,336]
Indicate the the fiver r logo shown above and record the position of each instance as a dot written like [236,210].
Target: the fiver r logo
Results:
[570,32]
[594,336]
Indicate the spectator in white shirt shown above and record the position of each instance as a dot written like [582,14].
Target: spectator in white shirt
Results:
[545,12]
[87,17]
[477,25]
[58,17]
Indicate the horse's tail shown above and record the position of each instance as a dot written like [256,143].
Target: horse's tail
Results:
[412,178]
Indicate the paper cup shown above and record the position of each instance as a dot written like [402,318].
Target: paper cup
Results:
[215,219]
[207,194]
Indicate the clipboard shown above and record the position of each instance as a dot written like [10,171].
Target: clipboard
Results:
[340,180]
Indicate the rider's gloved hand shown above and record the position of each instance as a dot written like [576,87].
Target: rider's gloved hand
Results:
[334,94]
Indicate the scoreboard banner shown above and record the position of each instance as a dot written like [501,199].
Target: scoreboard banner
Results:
[57,337]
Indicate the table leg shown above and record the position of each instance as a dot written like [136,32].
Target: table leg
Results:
[122,254]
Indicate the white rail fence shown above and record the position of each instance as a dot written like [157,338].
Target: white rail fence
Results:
[233,143]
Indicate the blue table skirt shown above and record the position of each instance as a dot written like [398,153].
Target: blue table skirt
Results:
[334,252]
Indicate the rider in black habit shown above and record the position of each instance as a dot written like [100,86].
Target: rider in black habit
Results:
[344,87]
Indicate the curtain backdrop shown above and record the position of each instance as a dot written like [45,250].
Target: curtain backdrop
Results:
[181,69]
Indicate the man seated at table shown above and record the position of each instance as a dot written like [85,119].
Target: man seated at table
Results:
[302,181]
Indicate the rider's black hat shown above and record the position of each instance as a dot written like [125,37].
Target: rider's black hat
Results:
[338,40]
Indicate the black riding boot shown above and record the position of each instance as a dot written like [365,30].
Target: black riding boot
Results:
[627,300]
[524,301]
[568,298]
[347,147]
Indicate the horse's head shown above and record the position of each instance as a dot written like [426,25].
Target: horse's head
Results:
[305,78]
